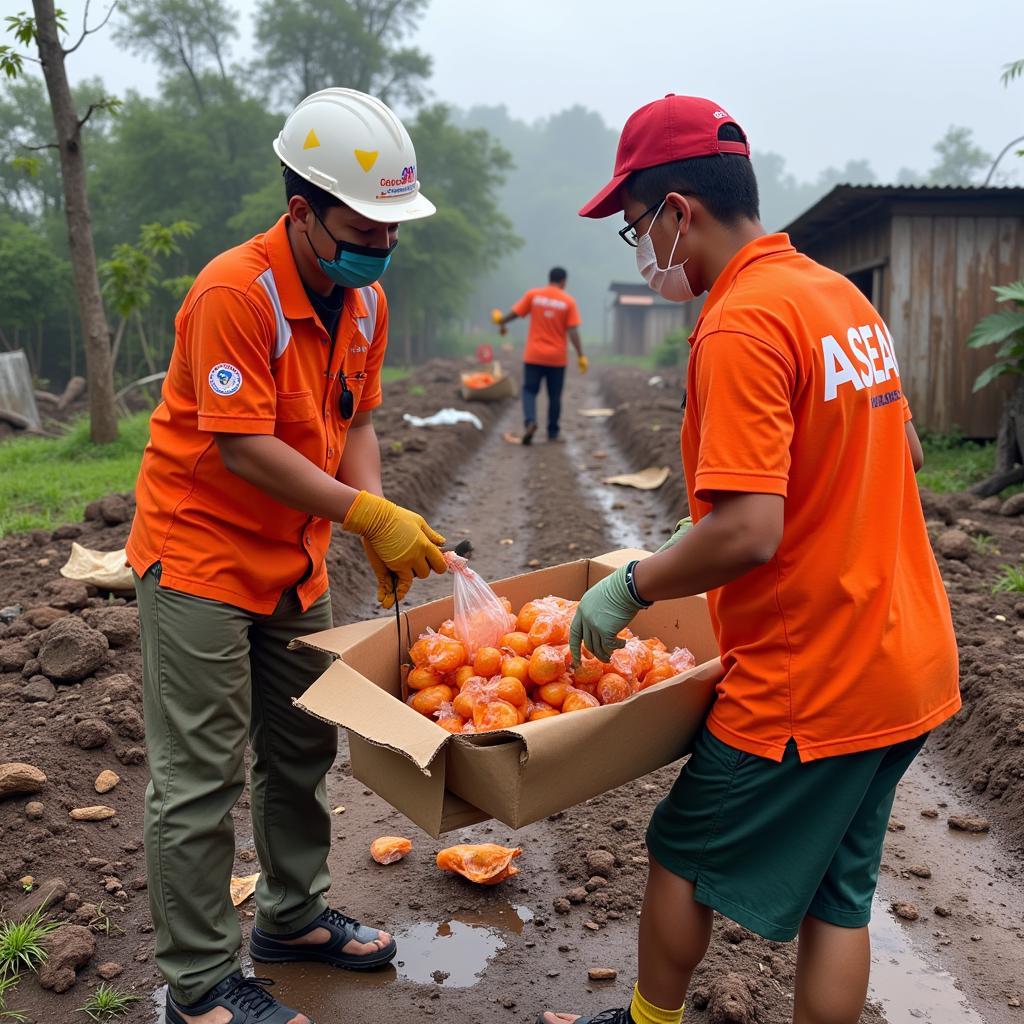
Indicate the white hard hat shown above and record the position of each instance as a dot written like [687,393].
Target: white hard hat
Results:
[354,147]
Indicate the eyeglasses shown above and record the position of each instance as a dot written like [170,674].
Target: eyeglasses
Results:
[347,400]
[629,233]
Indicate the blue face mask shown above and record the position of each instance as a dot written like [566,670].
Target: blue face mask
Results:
[353,266]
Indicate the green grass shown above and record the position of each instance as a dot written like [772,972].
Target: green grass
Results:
[107,1002]
[952,464]
[1011,581]
[390,374]
[48,481]
[21,943]
[7,984]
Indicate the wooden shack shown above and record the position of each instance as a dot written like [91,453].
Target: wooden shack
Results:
[641,318]
[927,257]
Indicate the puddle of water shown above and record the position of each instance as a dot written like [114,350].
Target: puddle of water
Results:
[908,986]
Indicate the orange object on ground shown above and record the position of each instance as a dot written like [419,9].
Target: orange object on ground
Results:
[552,311]
[843,641]
[483,863]
[389,849]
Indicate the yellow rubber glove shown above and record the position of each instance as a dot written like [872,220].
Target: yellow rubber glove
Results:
[401,538]
[496,316]
[584,364]
[391,586]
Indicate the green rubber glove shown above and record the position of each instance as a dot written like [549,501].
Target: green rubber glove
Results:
[683,527]
[604,611]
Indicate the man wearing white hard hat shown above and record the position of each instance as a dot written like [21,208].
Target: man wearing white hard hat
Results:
[263,439]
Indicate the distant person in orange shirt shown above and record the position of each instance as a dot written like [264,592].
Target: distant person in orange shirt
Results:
[553,316]
[809,540]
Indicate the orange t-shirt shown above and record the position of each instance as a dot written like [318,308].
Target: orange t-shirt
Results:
[250,357]
[552,311]
[844,640]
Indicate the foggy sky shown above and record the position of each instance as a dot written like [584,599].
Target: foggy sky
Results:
[821,83]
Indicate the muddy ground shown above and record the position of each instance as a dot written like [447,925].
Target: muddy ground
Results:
[509,952]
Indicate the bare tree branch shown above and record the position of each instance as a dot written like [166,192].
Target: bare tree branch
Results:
[86,31]
[88,114]
[46,145]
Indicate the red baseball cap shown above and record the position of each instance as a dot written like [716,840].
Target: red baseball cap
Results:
[673,128]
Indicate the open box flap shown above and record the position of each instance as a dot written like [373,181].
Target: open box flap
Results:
[339,639]
[344,697]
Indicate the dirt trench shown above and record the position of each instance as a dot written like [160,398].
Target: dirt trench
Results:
[507,953]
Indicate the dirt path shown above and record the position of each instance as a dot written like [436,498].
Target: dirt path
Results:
[507,953]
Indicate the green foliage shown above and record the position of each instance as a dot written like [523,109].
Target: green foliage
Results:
[12,64]
[1005,329]
[672,350]
[1011,71]
[959,159]
[32,276]
[130,275]
[306,45]
[7,984]
[107,1002]
[1011,581]
[45,482]
[953,464]
[21,943]
[985,545]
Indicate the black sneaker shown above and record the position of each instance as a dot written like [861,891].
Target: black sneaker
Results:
[531,429]
[618,1016]
[246,998]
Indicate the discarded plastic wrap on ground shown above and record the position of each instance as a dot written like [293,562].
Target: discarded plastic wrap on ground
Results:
[649,479]
[103,569]
[483,863]
[444,418]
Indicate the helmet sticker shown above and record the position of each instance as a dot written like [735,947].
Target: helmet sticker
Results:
[312,142]
[367,158]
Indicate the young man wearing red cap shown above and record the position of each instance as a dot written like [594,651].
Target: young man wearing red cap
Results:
[808,538]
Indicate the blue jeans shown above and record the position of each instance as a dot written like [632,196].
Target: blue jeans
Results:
[533,374]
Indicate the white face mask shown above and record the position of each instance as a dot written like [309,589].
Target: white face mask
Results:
[669,282]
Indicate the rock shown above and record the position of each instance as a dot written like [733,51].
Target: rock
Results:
[9,613]
[602,973]
[597,882]
[14,656]
[69,531]
[71,946]
[990,505]
[44,616]
[18,779]
[106,781]
[114,510]
[119,624]
[98,813]
[85,914]
[1013,506]
[132,755]
[920,871]
[109,970]
[71,650]
[577,895]
[129,724]
[601,862]
[68,594]
[34,810]
[561,905]
[730,1000]
[92,512]
[31,669]
[955,544]
[929,812]
[734,934]
[905,911]
[592,926]
[71,902]
[941,911]
[48,895]
[119,687]
[38,690]
[91,734]
[937,506]
[968,823]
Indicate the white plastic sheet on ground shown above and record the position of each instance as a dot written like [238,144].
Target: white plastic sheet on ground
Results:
[444,418]
[103,569]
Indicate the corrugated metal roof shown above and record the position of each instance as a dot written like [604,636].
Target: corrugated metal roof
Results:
[845,201]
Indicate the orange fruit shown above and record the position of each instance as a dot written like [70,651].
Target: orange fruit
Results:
[549,629]
[523,713]
[542,710]
[511,689]
[452,723]
[388,849]
[462,675]
[590,688]
[421,678]
[547,663]
[577,700]
[589,672]
[612,688]
[427,701]
[438,651]
[655,646]
[487,662]
[529,612]
[447,628]
[494,714]
[632,661]
[507,605]
[517,667]
[517,643]
[553,694]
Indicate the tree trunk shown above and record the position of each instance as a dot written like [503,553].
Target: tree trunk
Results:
[144,343]
[99,370]
[118,338]
[1009,468]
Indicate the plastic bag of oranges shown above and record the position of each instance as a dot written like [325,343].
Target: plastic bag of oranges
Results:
[483,863]
[481,618]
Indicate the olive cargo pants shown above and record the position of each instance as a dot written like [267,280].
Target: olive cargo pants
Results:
[215,677]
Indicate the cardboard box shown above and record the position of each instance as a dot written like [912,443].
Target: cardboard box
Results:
[443,782]
[503,387]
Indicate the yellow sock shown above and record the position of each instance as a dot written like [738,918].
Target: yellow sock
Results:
[644,1012]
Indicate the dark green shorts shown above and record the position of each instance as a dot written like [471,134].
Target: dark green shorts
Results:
[766,844]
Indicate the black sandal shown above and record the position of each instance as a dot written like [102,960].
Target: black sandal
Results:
[618,1016]
[246,998]
[269,949]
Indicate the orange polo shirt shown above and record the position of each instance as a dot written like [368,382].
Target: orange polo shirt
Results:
[844,640]
[250,357]
[552,311]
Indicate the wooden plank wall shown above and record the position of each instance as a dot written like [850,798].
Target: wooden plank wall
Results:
[940,279]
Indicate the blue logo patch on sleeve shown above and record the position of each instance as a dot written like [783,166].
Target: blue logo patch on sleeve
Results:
[225,379]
